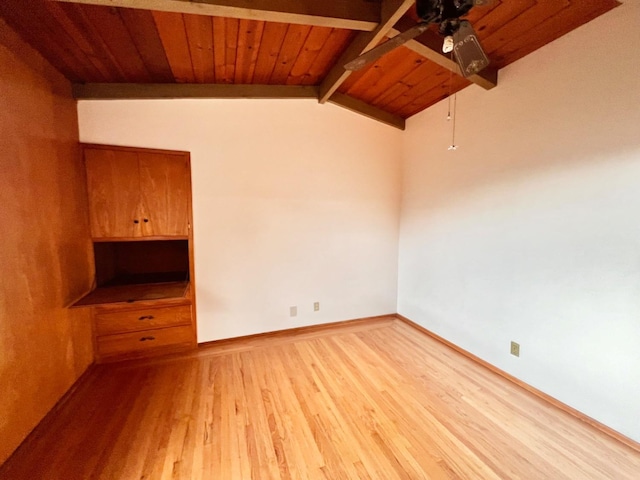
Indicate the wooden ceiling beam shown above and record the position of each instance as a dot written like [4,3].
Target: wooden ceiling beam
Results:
[353,15]
[133,91]
[429,46]
[367,110]
[391,11]
[156,91]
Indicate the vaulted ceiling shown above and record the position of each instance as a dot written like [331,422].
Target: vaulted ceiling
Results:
[278,48]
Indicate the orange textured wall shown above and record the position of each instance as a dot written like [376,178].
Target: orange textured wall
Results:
[44,242]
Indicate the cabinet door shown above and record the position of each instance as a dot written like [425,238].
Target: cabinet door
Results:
[113,184]
[165,186]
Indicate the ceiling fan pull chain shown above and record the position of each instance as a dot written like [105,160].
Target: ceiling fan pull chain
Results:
[449,110]
[453,145]
[450,90]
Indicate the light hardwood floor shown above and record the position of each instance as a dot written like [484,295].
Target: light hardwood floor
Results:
[378,400]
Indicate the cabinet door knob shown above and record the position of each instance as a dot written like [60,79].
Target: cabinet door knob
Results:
[146,317]
[144,339]
[136,221]
[146,220]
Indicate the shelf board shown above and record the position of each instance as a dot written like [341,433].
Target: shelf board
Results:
[133,294]
[139,239]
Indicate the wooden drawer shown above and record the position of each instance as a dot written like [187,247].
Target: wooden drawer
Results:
[141,319]
[136,343]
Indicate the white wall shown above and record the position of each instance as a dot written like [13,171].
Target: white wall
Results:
[294,202]
[530,231]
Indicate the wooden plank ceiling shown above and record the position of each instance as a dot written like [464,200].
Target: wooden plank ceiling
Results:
[101,44]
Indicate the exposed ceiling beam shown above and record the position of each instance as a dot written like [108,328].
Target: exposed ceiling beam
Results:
[353,14]
[150,91]
[113,91]
[367,110]
[391,12]
[429,46]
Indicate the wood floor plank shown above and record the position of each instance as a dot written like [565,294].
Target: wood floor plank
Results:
[366,400]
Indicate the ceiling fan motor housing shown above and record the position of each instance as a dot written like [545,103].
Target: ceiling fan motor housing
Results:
[443,11]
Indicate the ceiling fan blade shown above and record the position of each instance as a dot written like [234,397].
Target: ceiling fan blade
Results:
[468,51]
[391,44]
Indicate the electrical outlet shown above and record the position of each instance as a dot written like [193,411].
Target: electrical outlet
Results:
[293,311]
[316,306]
[515,349]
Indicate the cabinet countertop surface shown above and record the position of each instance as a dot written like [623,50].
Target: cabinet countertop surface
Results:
[131,294]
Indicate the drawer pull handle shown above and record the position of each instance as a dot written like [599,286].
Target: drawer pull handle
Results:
[144,339]
[146,317]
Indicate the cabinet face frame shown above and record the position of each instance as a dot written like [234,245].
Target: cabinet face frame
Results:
[147,233]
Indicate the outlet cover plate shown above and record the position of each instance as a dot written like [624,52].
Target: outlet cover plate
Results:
[515,349]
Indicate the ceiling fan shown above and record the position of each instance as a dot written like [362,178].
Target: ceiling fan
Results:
[460,37]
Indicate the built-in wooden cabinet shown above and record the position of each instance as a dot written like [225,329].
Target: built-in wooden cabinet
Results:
[134,193]
[143,302]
